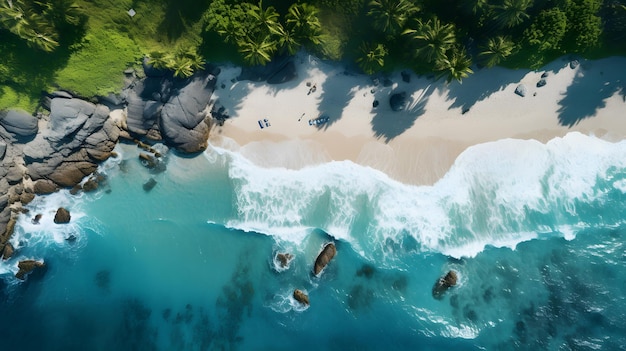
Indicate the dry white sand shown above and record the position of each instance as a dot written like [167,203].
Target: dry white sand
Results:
[419,144]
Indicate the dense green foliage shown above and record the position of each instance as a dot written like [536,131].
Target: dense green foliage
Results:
[84,45]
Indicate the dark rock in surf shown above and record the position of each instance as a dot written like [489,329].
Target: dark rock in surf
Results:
[541,83]
[324,258]
[8,251]
[36,219]
[521,90]
[284,259]
[444,283]
[62,216]
[301,297]
[26,267]
[148,160]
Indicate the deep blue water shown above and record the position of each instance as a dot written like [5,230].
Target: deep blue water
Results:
[540,252]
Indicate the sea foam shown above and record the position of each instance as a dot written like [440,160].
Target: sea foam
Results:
[496,194]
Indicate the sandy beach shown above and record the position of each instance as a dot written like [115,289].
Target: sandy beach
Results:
[419,144]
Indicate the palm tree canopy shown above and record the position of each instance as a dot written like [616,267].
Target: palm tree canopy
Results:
[390,16]
[433,39]
[455,67]
[496,50]
[512,12]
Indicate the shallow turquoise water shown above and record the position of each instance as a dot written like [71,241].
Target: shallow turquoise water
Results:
[189,265]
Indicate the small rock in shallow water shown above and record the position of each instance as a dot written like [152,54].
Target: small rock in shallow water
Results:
[444,283]
[301,297]
[284,259]
[147,186]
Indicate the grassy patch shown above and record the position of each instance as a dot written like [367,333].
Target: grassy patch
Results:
[10,98]
[96,67]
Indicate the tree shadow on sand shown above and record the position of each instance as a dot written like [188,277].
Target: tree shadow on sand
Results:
[388,124]
[589,91]
[336,95]
[476,87]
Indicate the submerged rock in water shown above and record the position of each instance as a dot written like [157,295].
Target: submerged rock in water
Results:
[444,283]
[26,267]
[301,297]
[62,216]
[324,258]
[36,219]
[284,259]
[151,183]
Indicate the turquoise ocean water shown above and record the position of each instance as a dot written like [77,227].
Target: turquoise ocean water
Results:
[536,231]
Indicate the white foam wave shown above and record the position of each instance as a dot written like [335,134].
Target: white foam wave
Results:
[498,194]
[44,233]
[284,302]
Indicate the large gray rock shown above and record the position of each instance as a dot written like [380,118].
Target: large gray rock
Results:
[79,136]
[184,122]
[397,101]
[3,150]
[67,116]
[521,90]
[19,122]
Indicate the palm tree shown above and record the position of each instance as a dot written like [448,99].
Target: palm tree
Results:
[456,66]
[433,39]
[286,40]
[512,12]
[257,51]
[391,15]
[302,20]
[373,58]
[496,50]
[475,6]
[12,18]
[264,20]
[160,60]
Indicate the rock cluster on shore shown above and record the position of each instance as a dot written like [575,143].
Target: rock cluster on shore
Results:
[45,152]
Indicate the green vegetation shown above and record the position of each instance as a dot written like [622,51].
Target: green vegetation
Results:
[84,45]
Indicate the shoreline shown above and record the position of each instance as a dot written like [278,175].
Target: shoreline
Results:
[419,144]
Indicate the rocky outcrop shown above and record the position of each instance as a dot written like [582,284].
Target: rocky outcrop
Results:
[301,297]
[19,122]
[284,259]
[444,283]
[7,252]
[78,137]
[163,108]
[184,122]
[324,258]
[26,267]
[62,216]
